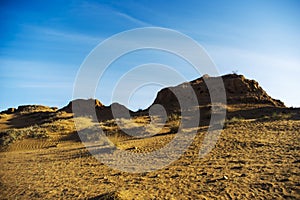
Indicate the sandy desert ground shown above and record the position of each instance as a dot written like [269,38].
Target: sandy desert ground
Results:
[253,159]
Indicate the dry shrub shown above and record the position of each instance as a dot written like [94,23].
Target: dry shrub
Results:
[174,121]
[11,135]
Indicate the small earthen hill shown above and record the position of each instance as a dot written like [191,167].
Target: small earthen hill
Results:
[86,106]
[29,109]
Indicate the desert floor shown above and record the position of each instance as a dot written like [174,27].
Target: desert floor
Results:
[253,159]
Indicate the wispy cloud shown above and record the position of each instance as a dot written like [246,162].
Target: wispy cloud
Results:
[101,10]
[54,34]
[225,54]
[49,85]
[277,74]
[132,19]
[34,82]
[35,75]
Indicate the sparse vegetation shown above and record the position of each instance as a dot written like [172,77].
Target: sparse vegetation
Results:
[235,161]
[234,120]
[11,135]
[173,122]
[174,117]
[278,116]
[174,126]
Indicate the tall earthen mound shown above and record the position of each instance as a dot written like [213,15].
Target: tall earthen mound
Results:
[238,89]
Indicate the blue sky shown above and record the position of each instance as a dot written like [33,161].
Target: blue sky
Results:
[43,44]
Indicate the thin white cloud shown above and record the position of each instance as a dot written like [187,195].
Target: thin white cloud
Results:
[277,74]
[36,75]
[225,55]
[132,19]
[15,68]
[100,10]
[55,34]
[50,85]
